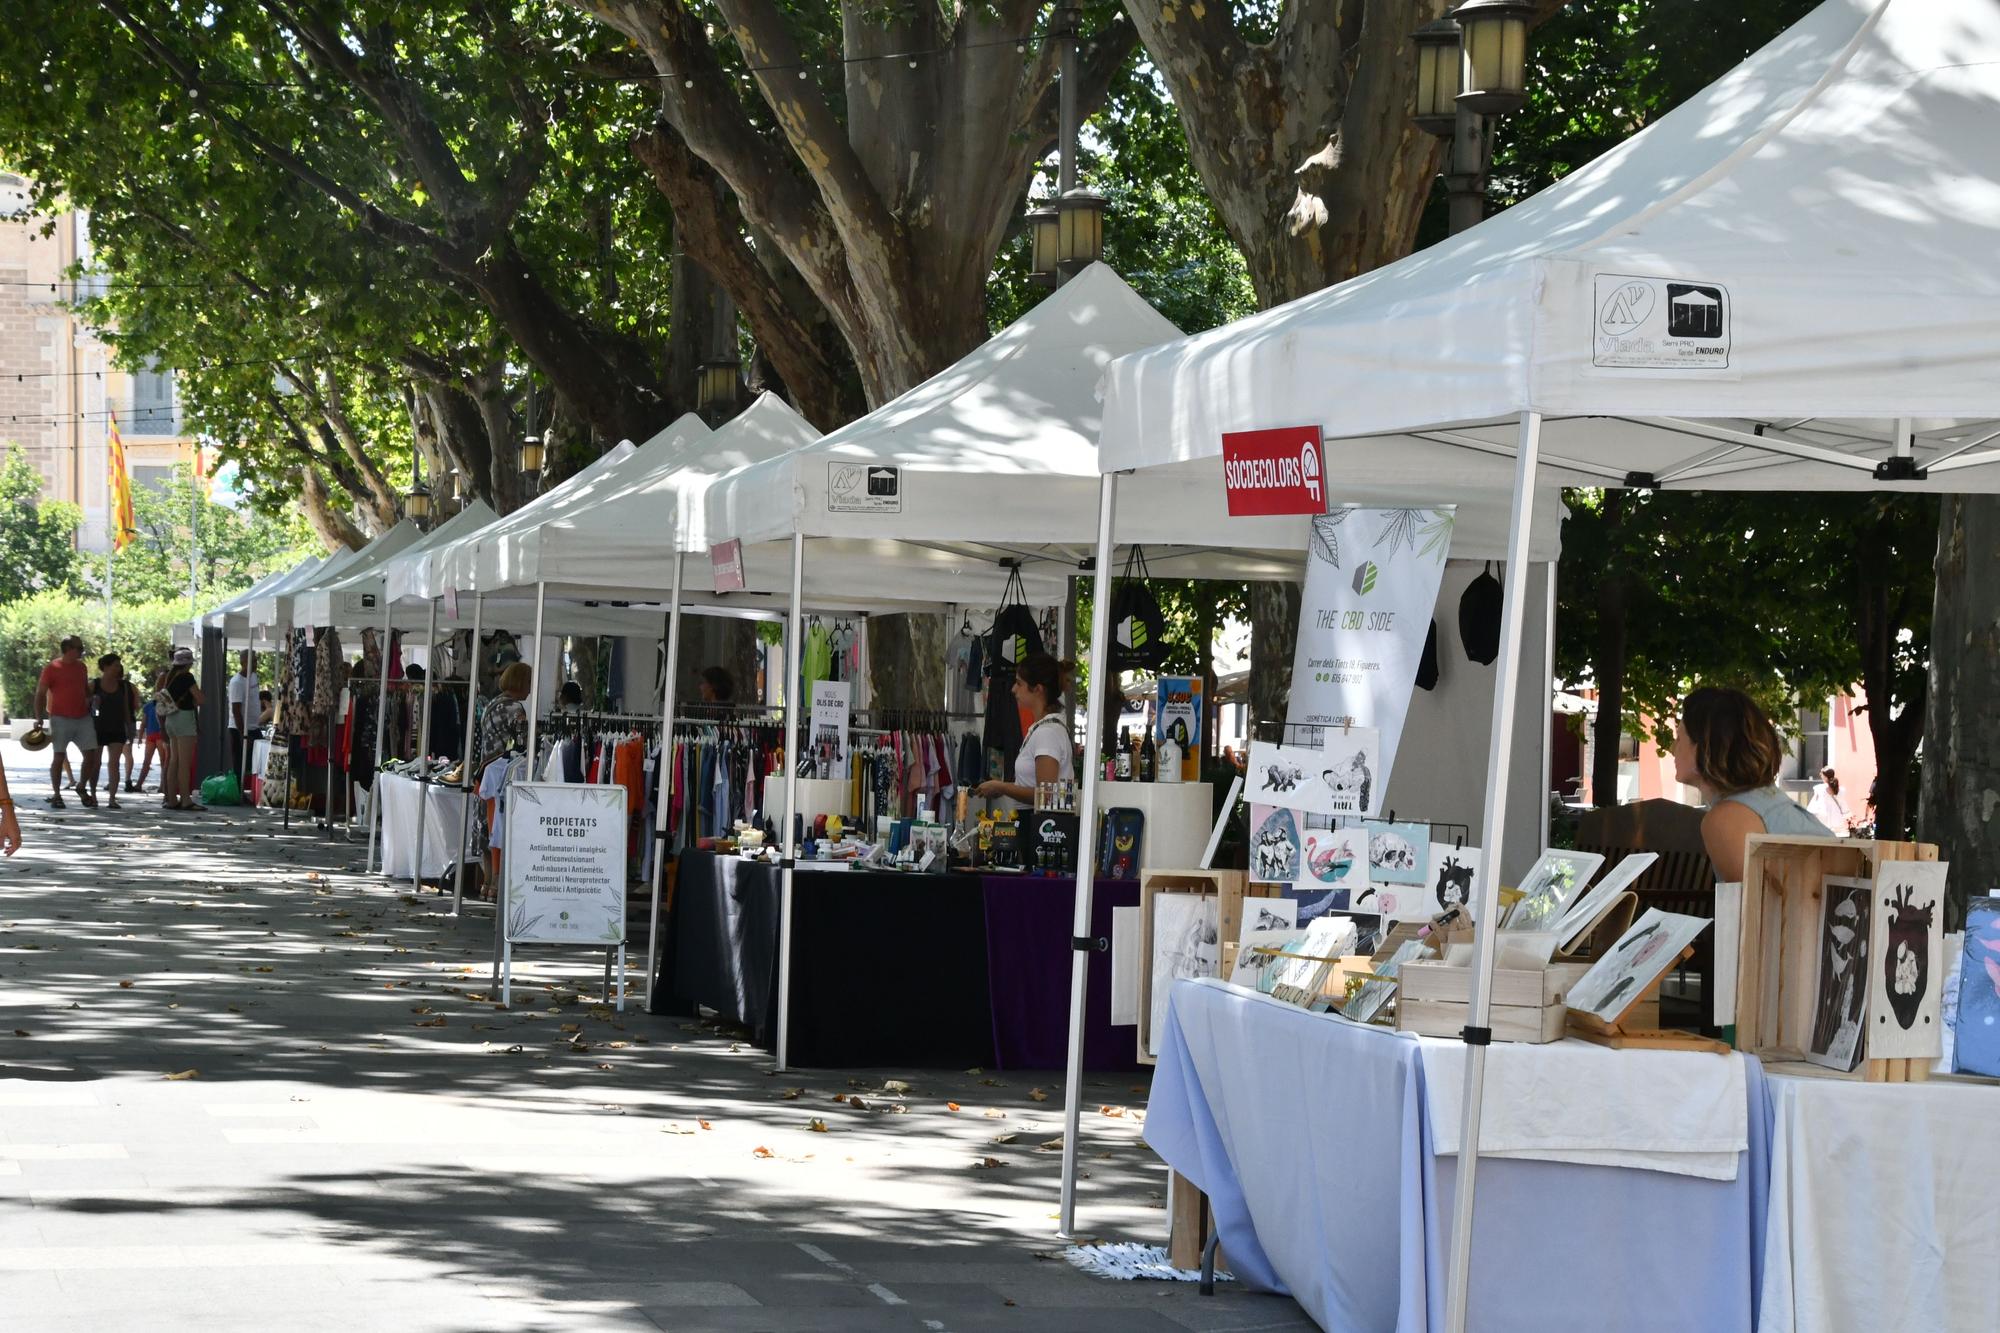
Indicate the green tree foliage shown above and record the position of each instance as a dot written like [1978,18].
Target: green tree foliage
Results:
[37,536]
[232,545]
[33,628]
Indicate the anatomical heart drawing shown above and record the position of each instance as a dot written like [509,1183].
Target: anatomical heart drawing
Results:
[1905,961]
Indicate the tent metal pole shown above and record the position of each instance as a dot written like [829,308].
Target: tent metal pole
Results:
[1498,763]
[795,709]
[468,772]
[671,671]
[381,734]
[1086,838]
[534,736]
[1546,710]
[424,750]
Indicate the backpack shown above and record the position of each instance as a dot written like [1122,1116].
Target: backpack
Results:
[164,706]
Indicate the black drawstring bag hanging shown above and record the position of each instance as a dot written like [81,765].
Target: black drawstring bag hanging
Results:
[1427,665]
[1479,617]
[1138,627]
[1015,635]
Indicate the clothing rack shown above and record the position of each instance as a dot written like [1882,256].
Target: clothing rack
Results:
[916,719]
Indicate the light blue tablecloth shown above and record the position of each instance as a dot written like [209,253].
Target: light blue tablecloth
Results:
[1310,1138]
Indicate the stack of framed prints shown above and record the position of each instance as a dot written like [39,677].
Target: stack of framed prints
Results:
[1840,958]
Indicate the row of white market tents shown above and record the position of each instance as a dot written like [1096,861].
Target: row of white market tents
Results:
[1837,199]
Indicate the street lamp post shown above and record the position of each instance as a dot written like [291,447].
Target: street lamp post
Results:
[1470,66]
[1067,235]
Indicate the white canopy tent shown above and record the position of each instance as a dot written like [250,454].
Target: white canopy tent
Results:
[1837,197]
[239,618]
[996,460]
[274,609]
[229,617]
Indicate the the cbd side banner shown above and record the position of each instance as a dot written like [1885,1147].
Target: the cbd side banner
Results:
[1274,471]
[1372,579]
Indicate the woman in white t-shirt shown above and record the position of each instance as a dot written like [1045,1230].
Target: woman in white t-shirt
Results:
[1046,751]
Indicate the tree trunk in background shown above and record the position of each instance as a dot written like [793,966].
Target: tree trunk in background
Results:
[1274,632]
[696,298]
[334,529]
[716,641]
[1878,620]
[1613,602]
[1204,633]
[1961,786]
[906,659]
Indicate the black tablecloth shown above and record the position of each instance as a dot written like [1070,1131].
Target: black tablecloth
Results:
[887,969]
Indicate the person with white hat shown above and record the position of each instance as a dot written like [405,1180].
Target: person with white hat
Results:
[176,703]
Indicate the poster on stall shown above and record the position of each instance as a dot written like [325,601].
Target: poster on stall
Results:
[830,710]
[1179,716]
[1372,579]
[565,864]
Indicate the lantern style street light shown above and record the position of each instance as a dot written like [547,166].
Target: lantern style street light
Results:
[1045,256]
[1437,77]
[1079,230]
[531,454]
[417,503]
[1493,46]
[1471,65]
[715,389]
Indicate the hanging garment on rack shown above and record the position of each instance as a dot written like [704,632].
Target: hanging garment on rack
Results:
[329,674]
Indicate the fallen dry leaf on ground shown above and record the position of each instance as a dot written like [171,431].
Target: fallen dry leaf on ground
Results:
[437,1022]
[126,985]
[23,1032]
[791,1094]
[994,1113]
[1052,1145]
[987,1164]
[1111,1110]
[1037,1095]
[1005,1138]
[760,1151]
[817,1126]
[705,1125]
[895,1085]
[951,1106]
[183,1075]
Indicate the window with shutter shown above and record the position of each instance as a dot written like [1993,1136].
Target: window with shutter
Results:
[152,404]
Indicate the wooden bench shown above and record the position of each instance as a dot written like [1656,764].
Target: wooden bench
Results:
[1682,880]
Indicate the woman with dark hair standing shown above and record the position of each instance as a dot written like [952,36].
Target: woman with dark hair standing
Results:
[1728,750]
[1046,753]
[114,709]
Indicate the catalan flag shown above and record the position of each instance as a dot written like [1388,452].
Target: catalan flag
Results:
[124,524]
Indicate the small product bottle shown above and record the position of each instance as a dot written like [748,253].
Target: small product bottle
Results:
[1170,759]
[1124,756]
[1149,758]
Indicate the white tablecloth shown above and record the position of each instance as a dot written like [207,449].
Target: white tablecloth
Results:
[444,810]
[1885,1203]
[1682,1112]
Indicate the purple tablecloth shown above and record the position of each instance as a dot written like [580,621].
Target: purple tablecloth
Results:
[1028,924]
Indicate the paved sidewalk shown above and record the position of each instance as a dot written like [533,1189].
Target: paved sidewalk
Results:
[243,1086]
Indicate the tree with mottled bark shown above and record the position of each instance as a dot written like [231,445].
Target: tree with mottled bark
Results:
[1960,802]
[880,149]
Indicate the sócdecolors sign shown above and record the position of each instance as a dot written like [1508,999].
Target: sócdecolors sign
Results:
[1274,471]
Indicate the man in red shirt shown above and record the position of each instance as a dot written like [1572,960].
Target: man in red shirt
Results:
[62,696]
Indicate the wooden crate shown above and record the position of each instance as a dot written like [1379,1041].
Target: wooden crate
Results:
[1527,1006]
[1227,887]
[1777,964]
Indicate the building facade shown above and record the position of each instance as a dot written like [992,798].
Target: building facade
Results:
[58,390]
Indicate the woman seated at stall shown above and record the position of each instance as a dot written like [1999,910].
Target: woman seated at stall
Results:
[1728,750]
[1046,750]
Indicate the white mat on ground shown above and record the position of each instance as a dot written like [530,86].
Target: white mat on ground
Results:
[1125,1262]
[1682,1112]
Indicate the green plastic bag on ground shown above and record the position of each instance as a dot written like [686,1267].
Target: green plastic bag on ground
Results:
[221,789]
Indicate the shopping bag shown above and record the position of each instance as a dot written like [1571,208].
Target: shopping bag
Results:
[221,789]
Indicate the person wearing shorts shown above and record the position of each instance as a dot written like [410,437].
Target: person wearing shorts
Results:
[62,697]
[156,736]
[177,783]
[114,709]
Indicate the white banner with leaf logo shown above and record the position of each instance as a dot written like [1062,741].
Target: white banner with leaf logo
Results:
[1372,579]
[564,858]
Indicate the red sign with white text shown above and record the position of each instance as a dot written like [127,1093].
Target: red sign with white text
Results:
[1274,471]
[725,561]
